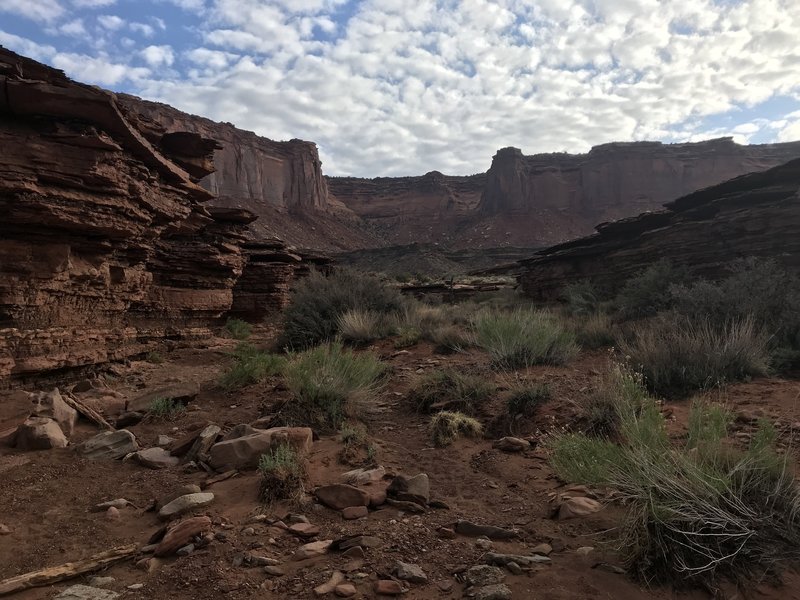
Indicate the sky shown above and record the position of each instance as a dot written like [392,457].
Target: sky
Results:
[404,87]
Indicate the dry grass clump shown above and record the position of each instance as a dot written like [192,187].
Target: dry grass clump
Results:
[446,427]
[450,389]
[699,511]
[358,326]
[329,382]
[523,338]
[165,409]
[282,475]
[678,356]
[594,331]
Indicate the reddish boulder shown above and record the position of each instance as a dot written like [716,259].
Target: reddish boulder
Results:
[339,496]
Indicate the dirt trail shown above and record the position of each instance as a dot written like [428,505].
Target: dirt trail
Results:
[46,496]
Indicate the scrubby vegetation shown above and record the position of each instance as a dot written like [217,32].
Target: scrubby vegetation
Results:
[699,510]
[328,383]
[319,302]
[523,337]
[165,409]
[524,398]
[593,331]
[677,355]
[451,390]
[649,292]
[282,474]
[446,427]
[250,365]
[358,326]
[238,329]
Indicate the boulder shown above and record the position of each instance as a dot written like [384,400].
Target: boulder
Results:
[244,452]
[339,496]
[181,534]
[240,430]
[40,433]
[51,404]
[202,444]
[580,506]
[410,489]
[85,592]
[409,572]
[184,504]
[109,445]
[156,458]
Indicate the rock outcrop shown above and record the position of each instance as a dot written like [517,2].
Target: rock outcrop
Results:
[751,215]
[105,246]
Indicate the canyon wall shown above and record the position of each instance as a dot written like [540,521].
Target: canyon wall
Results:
[106,247]
[752,215]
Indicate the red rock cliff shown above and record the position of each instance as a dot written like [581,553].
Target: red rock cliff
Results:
[105,246]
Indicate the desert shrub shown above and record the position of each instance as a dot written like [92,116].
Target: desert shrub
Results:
[448,339]
[250,365]
[282,474]
[318,302]
[581,298]
[594,331]
[329,382]
[755,288]
[238,329]
[698,511]
[362,326]
[449,389]
[525,398]
[165,409]
[154,357]
[407,336]
[523,338]
[446,427]
[620,386]
[648,292]
[356,449]
[678,356]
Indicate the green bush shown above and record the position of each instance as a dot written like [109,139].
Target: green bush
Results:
[165,409]
[328,383]
[250,365]
[318,302]
[446,427]
[523,338]
[524,399]
[699,512]
[594,331]
[677,356]
[282,474]
[581,298]
[649,292]
[620,386]
[238,329]
[154,357]
[449,389]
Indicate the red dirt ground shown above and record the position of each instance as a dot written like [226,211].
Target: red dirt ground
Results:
[46,496]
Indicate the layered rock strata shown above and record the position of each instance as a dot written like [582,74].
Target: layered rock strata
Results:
[105,246]
[752,215]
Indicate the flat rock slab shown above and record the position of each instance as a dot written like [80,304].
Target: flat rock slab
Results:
[339,496]
[493,558]
[40,433]
[410,572]
[184,504]
[177,393]
[85,592]
[156,458]
[493,533]
[410,489]
[202,444]
[109,445]
[312,550]
[244,452]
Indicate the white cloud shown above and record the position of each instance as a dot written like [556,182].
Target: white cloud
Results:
[73,28]
[92,3]
[43,11]
[143,28]
[98,70]
[111,22]
[158,56]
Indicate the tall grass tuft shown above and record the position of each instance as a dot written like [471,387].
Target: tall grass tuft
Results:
[358,326]
[678,356]
[250,365]
[523,338]
[450,390]
[699,511]
[329,382]
[446,427]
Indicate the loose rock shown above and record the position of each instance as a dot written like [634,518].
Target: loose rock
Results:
[156,458]
[184,504]
[511,444]
[51,404]
[326,588]
[345,590]
[40,433]
[493,592]
[340,496]
[181,534]
[482,575]
[311,550]
[354,512]
[109,445]
[85,592]
[411,489]
[388,587]
[274,571]
[245,452]
[578,507]
[491,532]
[410,572]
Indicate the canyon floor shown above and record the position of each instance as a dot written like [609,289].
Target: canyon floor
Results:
[46,497]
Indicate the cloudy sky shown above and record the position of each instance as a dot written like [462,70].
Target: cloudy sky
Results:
[399,87]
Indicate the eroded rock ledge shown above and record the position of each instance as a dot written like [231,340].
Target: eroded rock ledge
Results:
[105,245]
[752,215]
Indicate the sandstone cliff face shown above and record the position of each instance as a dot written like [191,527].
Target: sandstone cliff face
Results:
[752,215]
[252,172]
[104,244]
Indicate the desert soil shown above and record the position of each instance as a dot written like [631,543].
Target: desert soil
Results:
[46,497]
